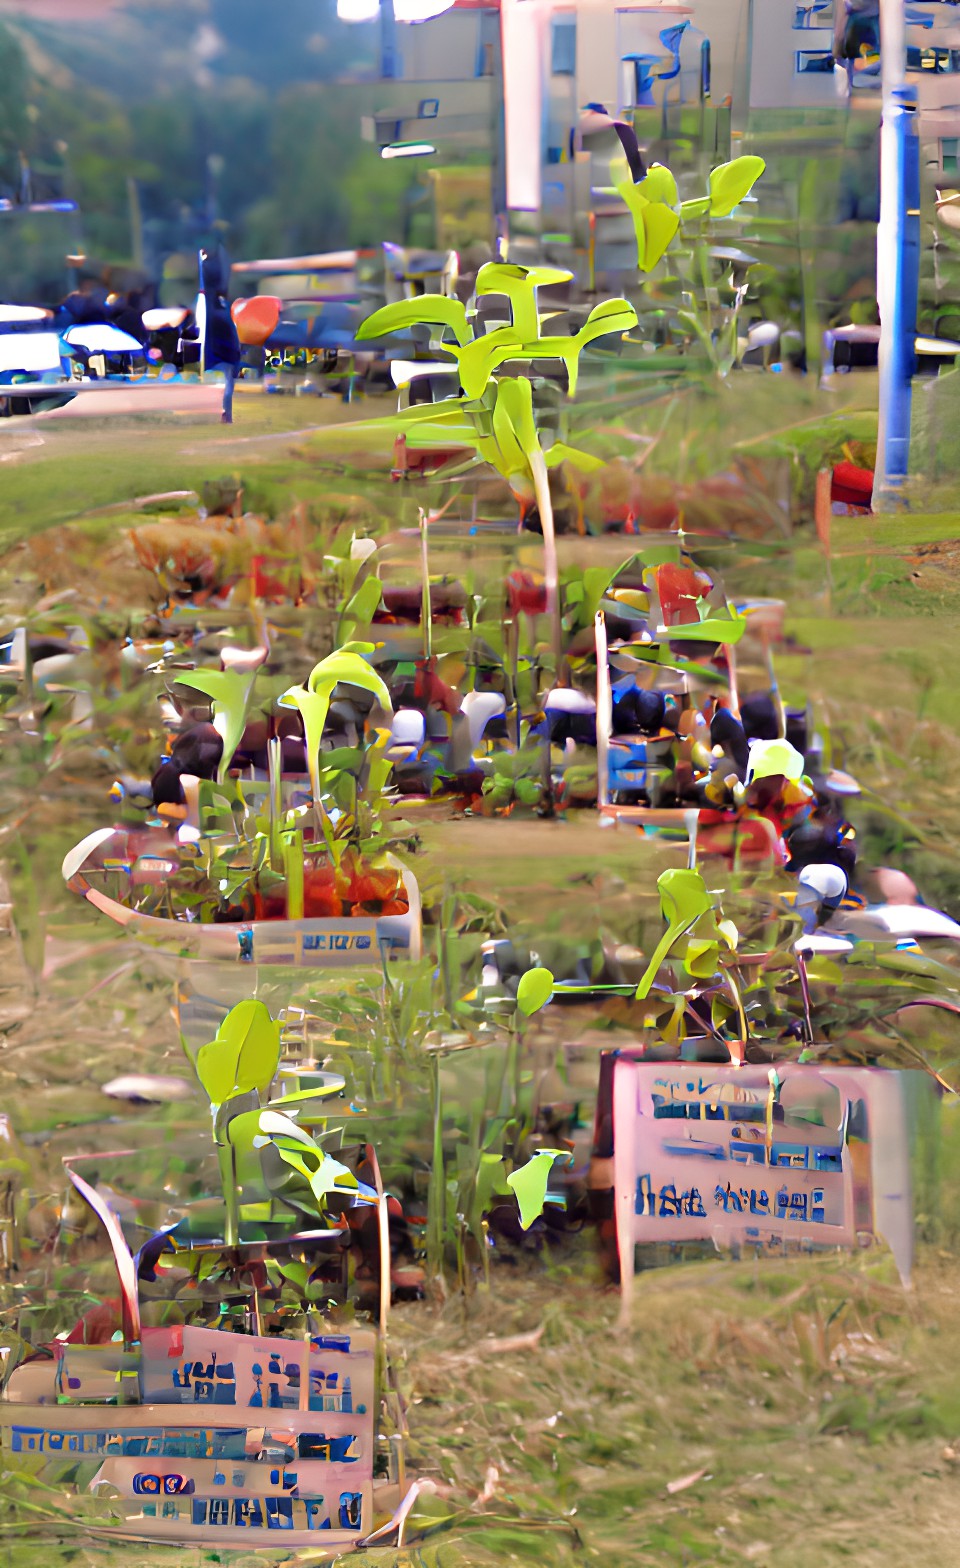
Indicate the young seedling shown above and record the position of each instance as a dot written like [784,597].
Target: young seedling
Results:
[239,1063]
[496,417]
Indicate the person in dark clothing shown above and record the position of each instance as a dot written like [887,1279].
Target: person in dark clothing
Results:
[221,341]
[727,731]
[637,711]
[197,751]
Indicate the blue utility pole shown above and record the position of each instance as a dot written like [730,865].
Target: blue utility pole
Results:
[389,53]
[898,260]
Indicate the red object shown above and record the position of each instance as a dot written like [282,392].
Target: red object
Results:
[425,460]
[852,486]
[725,833]
[98,1326]
[274,590]
[255,318]
[679,588]
[656,503]
[430,689]
[526,593]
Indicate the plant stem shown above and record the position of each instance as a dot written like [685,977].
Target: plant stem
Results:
[437,1191]
[541,480]
[541,483]
[228,1179]
[426,611]
[293,866]
[275,802]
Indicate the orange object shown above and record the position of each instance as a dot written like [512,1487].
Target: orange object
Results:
[321,895]
[369,883]
[270,906]
[255,318]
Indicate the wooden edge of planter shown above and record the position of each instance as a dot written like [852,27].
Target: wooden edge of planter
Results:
[304,943]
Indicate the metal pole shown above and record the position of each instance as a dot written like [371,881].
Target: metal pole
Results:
[898,258]
[604,710]
[389,60]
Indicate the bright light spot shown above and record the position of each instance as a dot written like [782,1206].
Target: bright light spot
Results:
[403,10]
[403,371]
[407,150]
[420,10]
[19,313]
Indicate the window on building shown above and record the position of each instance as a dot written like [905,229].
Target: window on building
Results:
[563,44]
[811,13]
[488,43]
[812,62]
[950,154]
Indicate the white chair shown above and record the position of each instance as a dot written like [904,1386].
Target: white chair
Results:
[480,707]
[564,699]
[407,735]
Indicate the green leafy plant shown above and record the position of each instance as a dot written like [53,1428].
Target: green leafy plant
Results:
[229,692]
[239,1063]
[347,666]
[236,1071]
[516,778]
[694,934]
[659,216]
[658,213]
[243,1057]
[496,417]
[322,1175]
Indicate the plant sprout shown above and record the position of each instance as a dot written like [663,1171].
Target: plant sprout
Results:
[496,417]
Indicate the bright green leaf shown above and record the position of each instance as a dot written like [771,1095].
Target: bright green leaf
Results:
[655,224]
[719,629]
[229,692]
[348,668]
[244,1056]
[683,901]
[490,1180]
[659,185]
[530,1183]
[519,285]
[700,958]
[313,708]
[479,359]
[534,991]
[697,208]
[427,310]
[731,182]
[769,759]
[583,462]
[363,604]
